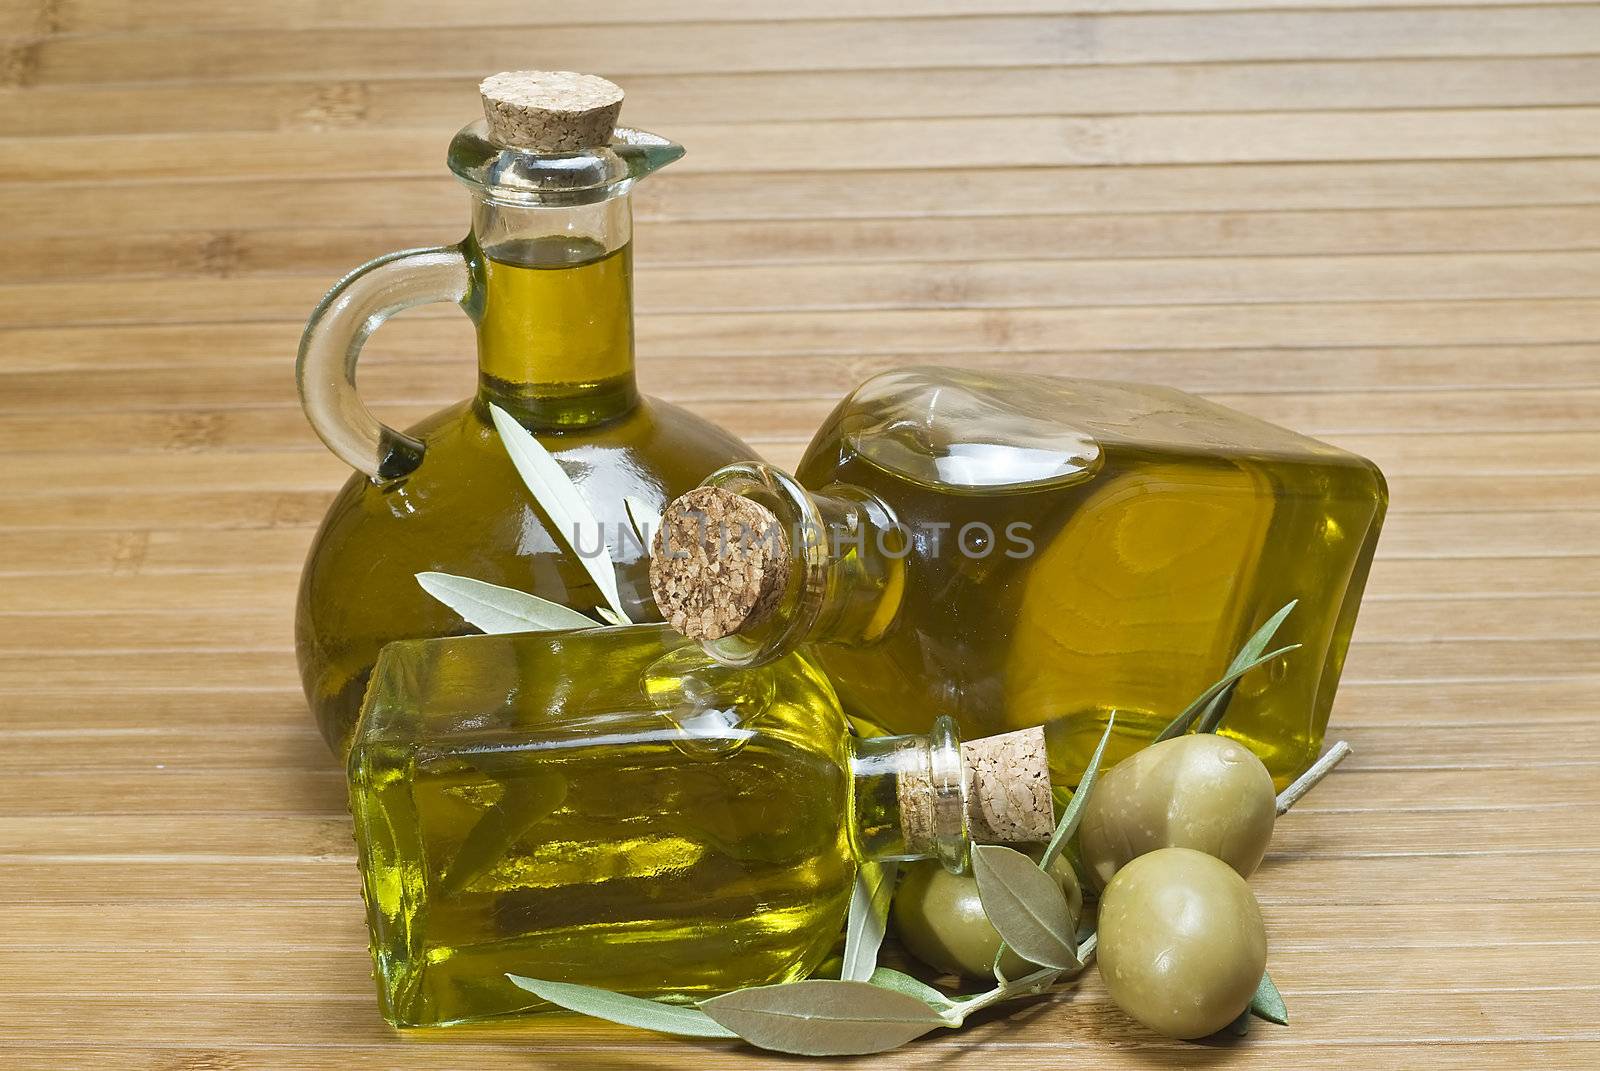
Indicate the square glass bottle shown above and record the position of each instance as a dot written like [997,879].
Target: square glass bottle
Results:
[1017,550]
[613,808]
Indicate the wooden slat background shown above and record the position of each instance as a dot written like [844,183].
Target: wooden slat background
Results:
[1379,224]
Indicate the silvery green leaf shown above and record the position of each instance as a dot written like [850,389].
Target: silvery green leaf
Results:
[1073,814]
[869,916]
[1025,906]
[497,610]
[629,1011]
[820,1017]
[1268,1003]
[558,496]
[1212,716]
[888,978]
[644,520]
[1181,723]
[1240,1026]
[610,616]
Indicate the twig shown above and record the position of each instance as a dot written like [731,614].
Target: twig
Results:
[1308,780]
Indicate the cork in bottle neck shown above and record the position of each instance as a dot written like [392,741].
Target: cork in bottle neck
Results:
[550,112]
[720,563]
[1004,799]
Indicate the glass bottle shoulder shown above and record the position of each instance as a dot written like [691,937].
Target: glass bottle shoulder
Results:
[999,433]
[465,507]
[647,453]
[606,689]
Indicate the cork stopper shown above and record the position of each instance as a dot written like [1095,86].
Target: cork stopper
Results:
[550,111]
[1008,788]
[1007,798]
[720,563]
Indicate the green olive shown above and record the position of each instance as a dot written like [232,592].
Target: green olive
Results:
[1202,791]
[939,918]
[1182,945]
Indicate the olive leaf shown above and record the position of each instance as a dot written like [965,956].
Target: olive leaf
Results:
[1268,1003]
[888,978]
[821,1017]
[1073,813]
[619,1008]
[868,918]
[1212,716]
[1025,906]
[610,616]
[1240,1026]
[498,610]
[815,1017]
[1181,723]
[558,496]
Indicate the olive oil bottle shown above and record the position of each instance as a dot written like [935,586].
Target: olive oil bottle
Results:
[614,808]
[1019,550]
[546,277]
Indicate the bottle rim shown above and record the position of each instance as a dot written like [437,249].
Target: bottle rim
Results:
[808,557]
[505,175]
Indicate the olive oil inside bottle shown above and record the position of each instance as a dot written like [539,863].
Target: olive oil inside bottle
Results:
[1154,546]
[555,338]
[545,275]
[555,350]
[525,806]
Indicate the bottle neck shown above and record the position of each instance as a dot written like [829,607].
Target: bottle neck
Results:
[846,555]
[933,797]
[552,300]
[910,797]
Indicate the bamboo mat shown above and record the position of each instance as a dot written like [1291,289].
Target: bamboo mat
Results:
[1379,225]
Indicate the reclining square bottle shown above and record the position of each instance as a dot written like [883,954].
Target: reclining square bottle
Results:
[1016,550]
[546,276]
[611,807]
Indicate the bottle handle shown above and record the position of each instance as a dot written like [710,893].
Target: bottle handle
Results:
[357,306]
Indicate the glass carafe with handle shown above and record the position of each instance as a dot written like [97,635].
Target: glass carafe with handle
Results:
[545,275]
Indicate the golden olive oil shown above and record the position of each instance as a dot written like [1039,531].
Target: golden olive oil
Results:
[555,350]
[555,303]
[1023,550]
[1158,532]
[545,275]
[604,807]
